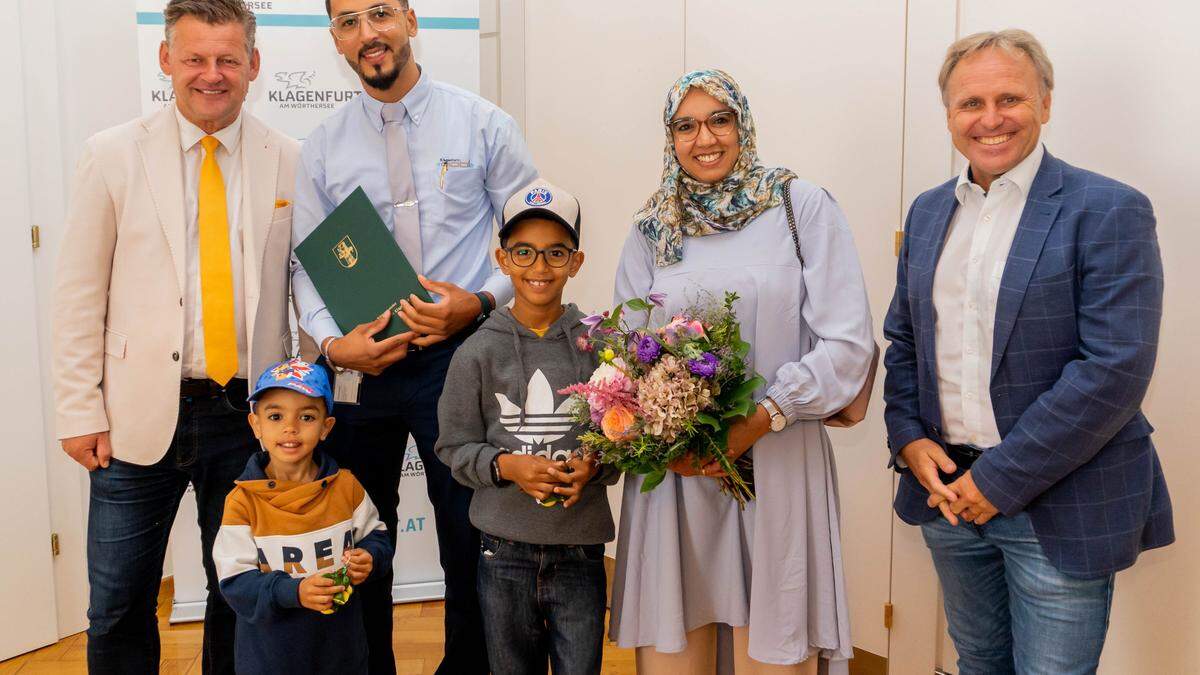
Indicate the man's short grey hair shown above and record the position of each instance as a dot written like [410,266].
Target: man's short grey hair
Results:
[1012,40]
[212,12]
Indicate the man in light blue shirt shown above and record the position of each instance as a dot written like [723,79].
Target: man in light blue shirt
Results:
[466,157]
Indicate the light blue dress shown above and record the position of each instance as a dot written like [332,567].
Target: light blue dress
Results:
[686,555]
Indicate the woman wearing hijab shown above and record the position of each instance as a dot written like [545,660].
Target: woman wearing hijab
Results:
[690,563]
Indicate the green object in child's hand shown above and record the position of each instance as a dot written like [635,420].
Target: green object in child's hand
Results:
[552,500]
[340,577]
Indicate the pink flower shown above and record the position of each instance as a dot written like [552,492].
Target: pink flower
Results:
[681,329]
[608,387]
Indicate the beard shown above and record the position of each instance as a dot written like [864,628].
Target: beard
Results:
[383,79]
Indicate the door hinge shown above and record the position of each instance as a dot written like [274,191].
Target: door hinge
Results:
[54,543]
[887,615]
[36,236]
[899,241]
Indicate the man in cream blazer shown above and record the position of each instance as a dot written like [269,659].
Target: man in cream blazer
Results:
[171,292]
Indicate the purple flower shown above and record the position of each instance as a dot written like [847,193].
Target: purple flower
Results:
[583,344]
[705,366]
[657,299]
[648,349]
[592,322]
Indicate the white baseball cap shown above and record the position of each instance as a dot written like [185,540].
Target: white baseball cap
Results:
[542,199]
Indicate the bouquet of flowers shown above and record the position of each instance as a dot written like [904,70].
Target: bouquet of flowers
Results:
[662,393]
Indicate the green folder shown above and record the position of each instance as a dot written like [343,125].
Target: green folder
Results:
[358,268]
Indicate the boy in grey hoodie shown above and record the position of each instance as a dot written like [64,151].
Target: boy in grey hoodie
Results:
[541,505]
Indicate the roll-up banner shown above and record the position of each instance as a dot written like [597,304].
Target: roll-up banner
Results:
[303,80]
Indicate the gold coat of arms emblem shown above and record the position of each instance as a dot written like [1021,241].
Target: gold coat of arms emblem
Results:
[346,252]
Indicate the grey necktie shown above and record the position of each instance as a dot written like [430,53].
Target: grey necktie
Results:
[406,225]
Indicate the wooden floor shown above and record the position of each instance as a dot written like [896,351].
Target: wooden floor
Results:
[416,637]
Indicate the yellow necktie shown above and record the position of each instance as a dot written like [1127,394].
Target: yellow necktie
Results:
[216,270]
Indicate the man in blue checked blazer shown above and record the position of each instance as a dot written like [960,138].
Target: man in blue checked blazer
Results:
[1023,335]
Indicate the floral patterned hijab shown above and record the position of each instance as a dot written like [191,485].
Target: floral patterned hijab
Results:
[683,206]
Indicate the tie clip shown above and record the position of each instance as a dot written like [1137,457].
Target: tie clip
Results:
[407,204]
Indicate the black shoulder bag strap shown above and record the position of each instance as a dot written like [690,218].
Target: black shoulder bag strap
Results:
[791,218]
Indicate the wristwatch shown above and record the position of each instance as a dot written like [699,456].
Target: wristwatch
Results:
[485,305]
[778,421]
[496,479]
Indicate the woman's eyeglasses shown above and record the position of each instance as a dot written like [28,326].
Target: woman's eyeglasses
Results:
[525,256]
[718,123]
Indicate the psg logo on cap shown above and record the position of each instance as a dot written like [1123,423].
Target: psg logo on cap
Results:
[539,196]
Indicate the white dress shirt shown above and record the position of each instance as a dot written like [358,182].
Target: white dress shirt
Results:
[229,159]
[965,287]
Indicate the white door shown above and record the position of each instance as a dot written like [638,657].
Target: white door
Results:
[27,610]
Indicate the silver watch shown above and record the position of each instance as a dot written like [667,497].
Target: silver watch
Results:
[778,421]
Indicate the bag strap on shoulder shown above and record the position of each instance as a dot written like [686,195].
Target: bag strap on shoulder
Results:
[791,218]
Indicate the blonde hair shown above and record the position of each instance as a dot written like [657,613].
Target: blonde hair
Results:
[1012,40]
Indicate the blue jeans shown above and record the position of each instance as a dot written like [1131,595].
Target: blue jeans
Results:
[131,511]
[542,603]
[1008,608]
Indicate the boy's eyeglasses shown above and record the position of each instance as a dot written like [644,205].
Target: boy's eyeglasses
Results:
[382,18]
[718,123]
[526,256]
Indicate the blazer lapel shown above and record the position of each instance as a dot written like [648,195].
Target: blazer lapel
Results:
[1041,209]
[162,160]
[936,242]
[260,173]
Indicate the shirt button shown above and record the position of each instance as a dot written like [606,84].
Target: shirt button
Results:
[174,356]
[972,305]
[987,219]
[975,260]
[970,396]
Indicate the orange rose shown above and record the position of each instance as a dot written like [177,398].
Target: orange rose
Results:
[619,424]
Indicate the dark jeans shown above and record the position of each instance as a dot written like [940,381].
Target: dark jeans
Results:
[542,603]
[369,439]
[131,511]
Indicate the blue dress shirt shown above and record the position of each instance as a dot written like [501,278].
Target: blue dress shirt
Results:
[468,158]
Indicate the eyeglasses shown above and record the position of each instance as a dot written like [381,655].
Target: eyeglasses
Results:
[719,124]
[382,18]
[526,256]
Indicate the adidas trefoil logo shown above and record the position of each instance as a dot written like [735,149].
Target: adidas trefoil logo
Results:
[544,423]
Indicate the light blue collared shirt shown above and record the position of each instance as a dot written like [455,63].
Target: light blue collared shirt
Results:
[468,158]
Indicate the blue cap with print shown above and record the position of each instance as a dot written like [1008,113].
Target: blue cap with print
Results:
[299,376]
